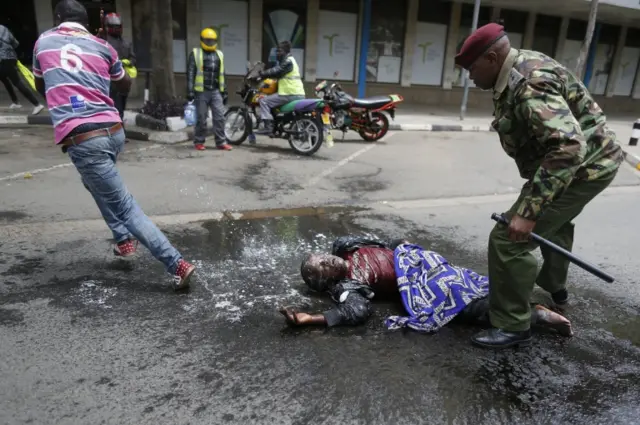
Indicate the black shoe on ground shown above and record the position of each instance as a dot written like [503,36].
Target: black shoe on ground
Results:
[561,297]
[498,339]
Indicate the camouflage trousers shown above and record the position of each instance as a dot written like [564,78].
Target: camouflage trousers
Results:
[513,270]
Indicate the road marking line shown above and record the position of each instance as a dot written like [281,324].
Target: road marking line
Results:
[345,161]
[67,164]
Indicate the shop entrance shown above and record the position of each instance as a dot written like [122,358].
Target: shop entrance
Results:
[20,18]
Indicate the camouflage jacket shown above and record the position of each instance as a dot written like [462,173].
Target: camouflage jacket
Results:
[551,126]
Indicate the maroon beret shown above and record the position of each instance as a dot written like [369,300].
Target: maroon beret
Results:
[478,43]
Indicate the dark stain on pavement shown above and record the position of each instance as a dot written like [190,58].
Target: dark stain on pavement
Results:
[25,266]
[10,317]
[223,354]
[11,216]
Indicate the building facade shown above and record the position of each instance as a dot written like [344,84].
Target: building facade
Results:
[400,46]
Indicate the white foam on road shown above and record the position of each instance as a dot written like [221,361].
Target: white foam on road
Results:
[237,286]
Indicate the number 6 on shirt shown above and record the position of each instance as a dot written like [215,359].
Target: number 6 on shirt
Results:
[70,59]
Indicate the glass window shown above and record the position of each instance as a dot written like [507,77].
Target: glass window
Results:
[431,42]
[466,22]
[628,67]
[546,34]
[93,11]
[515,24]
[466,17]
[337,40]
[340,6]
[436,11]
[633,37]
[577,30]
[386,41]
[603,60]
[141,18]
[284,20]
[20,19]
[179,14]
[230,19]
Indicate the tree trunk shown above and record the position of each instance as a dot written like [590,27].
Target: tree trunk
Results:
[163,83]
[584,50]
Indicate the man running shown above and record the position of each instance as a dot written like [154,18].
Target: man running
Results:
[433,291]
[76,68]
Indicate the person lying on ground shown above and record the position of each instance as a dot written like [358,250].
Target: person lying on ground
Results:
[433,292]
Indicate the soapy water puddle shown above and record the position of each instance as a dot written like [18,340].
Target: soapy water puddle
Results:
[256,263]
[92,293]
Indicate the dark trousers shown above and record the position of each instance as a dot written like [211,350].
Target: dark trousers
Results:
[9,75]
[119,101]
[211,99]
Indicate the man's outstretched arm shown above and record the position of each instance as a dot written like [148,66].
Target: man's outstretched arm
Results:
[352,309]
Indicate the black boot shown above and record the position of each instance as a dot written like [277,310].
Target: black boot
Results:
[497,338]
[267,130]
[560,297]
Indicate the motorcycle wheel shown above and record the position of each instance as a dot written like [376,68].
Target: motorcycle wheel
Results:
[382,123]
[312,135]
[236,129]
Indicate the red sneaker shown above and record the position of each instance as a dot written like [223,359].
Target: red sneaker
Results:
[125,248]
[183,275]
[200,146]
[225,147]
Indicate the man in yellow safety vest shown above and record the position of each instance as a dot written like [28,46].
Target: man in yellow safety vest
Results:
[290,85]
[206,85]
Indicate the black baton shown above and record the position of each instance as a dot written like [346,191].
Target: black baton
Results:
[570,256]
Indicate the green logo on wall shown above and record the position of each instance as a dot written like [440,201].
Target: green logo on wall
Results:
[219,28]
[330,38]
[424,47]
[624,67]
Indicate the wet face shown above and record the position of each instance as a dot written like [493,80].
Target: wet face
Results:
[320,270]
[484,71]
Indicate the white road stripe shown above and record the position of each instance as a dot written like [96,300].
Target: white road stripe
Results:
[65,165]
[345,161]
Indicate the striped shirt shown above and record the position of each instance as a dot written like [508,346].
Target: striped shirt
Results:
[77,69]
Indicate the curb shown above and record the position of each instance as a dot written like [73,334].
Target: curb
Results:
[439,127]
[177,125]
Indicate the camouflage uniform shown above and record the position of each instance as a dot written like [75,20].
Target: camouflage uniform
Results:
[558,136]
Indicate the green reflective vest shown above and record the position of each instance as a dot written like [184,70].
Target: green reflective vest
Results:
[199,82]
[291,83]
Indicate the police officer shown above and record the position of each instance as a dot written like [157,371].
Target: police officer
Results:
[113,22]
[290,85]
[206,84]
[558,136]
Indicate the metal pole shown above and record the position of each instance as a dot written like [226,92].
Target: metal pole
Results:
[465,73]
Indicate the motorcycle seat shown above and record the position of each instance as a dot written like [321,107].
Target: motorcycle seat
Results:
[372,102]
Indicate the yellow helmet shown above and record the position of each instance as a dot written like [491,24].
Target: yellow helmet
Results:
[268,86]
[209,40]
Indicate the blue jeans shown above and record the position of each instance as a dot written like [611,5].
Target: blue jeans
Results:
[95,160]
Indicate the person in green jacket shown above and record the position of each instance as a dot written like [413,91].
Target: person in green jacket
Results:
[290,85]
[549,123]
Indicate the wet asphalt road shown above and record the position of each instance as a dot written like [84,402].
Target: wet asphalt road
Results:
[86,338]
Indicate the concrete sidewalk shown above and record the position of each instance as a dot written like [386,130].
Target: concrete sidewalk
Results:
[408,118]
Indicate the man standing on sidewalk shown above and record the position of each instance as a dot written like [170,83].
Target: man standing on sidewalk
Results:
[126,55]
[206,84]
[74,69]
[559,138]
[9,72]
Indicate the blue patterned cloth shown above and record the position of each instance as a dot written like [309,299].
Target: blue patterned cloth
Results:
[433,291]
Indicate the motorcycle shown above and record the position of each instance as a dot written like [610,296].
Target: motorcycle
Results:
[364,116]
[301,122]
